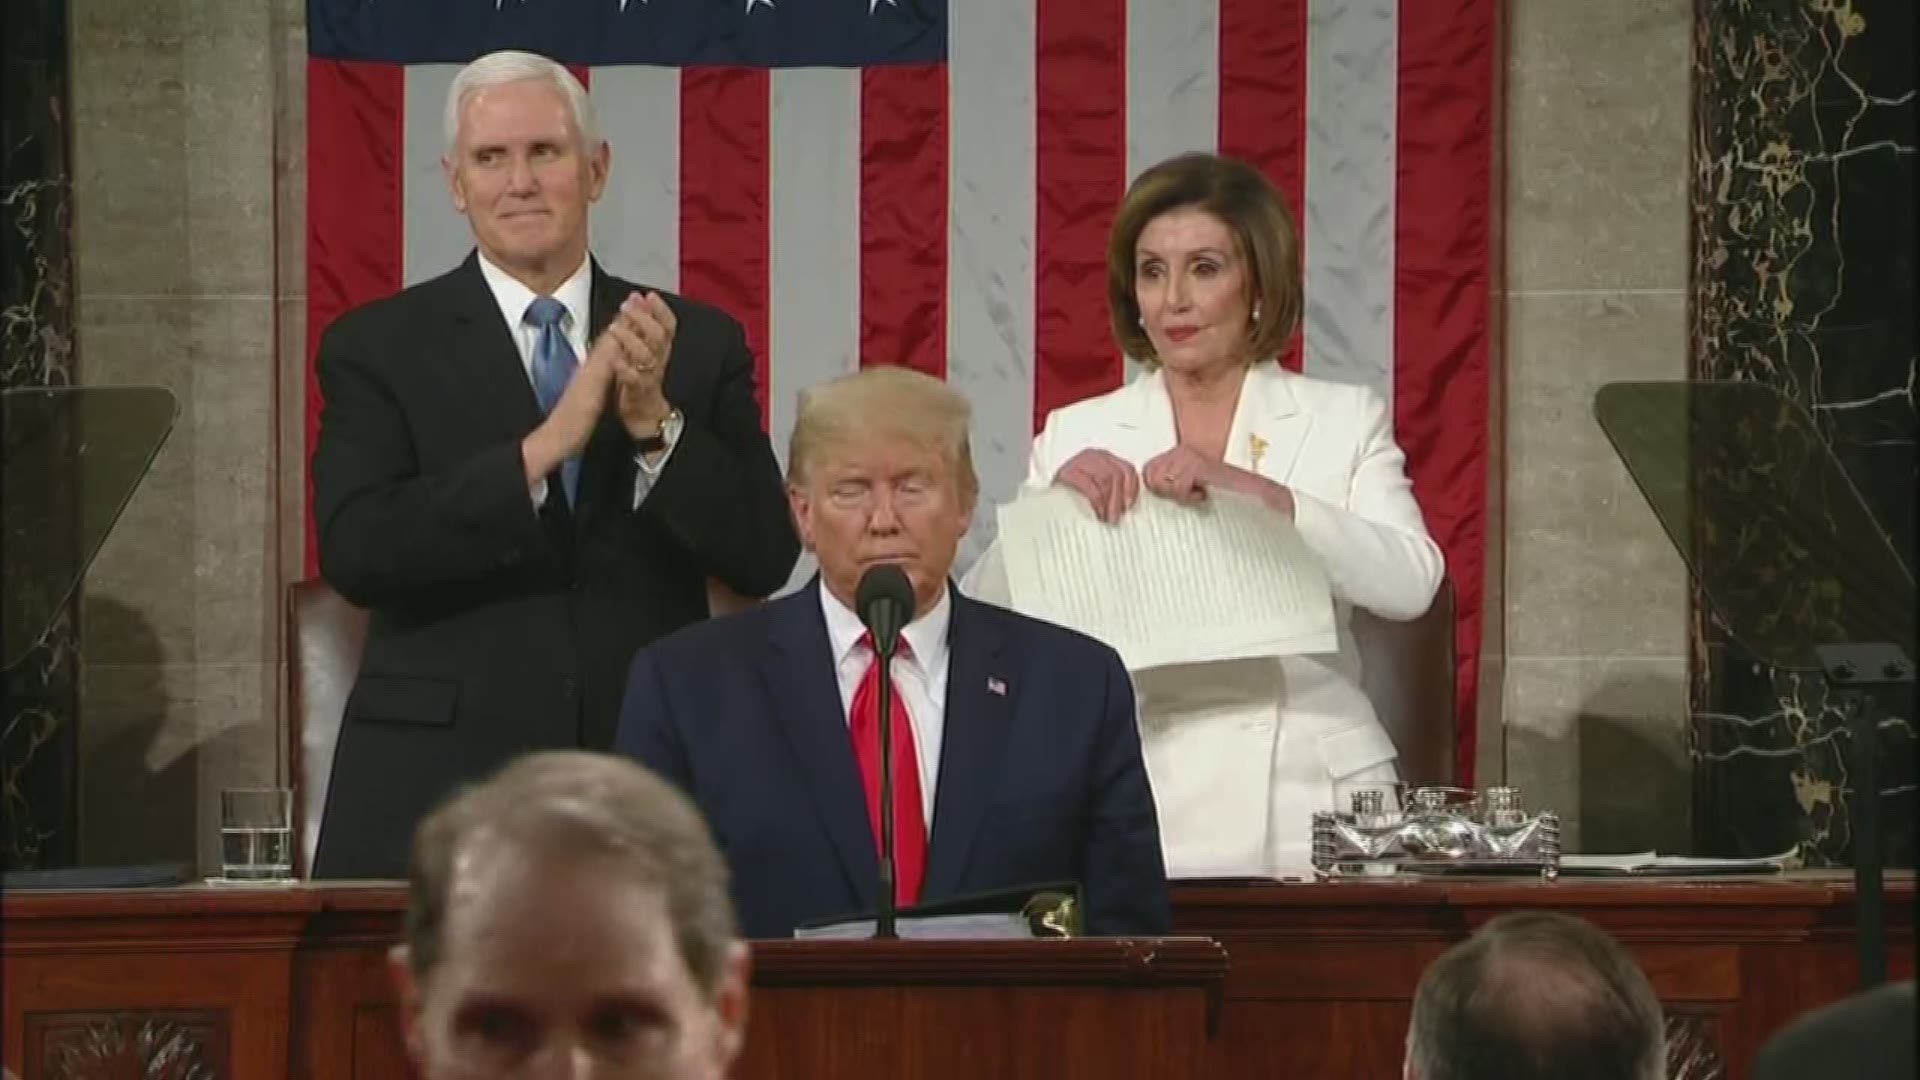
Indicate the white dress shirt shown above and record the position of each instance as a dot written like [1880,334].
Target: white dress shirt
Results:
[921,678]
[576,295]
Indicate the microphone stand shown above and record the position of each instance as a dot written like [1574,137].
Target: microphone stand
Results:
[1855,672]
[884,918]
[885,600]
[1869,859]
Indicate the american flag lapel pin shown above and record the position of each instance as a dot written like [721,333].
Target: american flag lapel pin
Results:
[995,686]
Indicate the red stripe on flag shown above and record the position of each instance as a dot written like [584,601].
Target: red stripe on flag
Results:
[724,154]
[903,217]
[1263,95]
[1443,297]
[355,135]
[1080,166]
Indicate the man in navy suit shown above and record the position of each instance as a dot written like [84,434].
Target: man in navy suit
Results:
[1017,756]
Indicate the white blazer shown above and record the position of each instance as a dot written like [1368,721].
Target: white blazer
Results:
[1242,753]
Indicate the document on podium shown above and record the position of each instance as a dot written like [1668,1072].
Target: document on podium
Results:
[1651,864]
[1228,579]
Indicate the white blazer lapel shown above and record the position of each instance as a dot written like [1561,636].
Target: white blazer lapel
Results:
[1269,427]
[1145,419]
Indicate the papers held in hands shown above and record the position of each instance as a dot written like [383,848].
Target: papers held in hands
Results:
[1036,911]
[1169,584]
[1648,864]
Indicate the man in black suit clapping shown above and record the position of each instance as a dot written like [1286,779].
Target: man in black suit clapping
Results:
[526,469]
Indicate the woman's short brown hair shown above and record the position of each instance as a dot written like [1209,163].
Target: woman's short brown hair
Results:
[1262,225]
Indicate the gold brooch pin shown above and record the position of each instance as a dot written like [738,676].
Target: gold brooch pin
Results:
[1259,447]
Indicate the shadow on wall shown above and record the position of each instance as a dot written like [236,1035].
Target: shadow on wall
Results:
[1636,780]
[1617,770]
[135,806]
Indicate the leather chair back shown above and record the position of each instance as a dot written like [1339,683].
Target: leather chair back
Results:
[1407,670]
[325,637]
[724,601]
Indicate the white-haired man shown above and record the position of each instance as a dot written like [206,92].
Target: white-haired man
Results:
[526,469]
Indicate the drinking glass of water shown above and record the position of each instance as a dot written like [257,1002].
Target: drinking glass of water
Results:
[256,834]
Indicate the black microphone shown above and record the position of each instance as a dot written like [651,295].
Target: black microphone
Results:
[884,600]
[885,603]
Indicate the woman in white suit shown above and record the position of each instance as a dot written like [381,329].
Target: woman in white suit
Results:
[1204,287]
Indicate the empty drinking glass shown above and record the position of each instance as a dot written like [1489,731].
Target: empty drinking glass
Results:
[1370,804]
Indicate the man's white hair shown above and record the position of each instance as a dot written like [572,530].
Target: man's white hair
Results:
[512,66]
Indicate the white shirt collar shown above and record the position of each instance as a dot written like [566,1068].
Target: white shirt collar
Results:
[513,296]
[926,635]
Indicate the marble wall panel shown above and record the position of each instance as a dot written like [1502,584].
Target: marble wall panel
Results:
[1803,192]
[39,691]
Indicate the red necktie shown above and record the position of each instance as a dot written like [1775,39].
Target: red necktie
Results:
[909,819]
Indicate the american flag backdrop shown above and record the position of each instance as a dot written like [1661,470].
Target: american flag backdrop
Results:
[930,182]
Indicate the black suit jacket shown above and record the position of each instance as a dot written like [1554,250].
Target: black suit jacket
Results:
[497,628]
[1041,778]
[1868,1036]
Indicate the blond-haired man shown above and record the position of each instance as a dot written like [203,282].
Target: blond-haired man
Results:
[1019,761]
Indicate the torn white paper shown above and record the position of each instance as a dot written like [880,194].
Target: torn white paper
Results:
[1169,584]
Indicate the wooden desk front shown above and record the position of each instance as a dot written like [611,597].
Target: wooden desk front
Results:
[1323,975]
[1320,981]
[260,984]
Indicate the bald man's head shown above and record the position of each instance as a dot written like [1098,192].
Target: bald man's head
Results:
[1532,996]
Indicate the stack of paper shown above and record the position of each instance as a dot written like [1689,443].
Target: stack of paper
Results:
[1648,864]
[985,926]
[1169,584]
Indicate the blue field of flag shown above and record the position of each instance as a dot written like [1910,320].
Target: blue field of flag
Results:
[675,33]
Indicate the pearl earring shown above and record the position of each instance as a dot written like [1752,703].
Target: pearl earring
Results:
[1256,311]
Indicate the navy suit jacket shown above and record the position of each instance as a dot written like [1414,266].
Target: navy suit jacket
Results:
[1041,777]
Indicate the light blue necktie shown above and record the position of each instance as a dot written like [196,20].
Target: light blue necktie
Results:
[553,367]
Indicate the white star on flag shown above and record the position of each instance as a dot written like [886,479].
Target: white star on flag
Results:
[874,5]
[751,3]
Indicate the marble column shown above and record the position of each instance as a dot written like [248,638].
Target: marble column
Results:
[1803,193]
[38,706]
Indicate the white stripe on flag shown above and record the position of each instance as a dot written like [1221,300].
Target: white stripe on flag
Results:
[1173,85]
[1352,80]
[990,261]
[636,226]
[813,322]
[434,237]
[1173,80]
